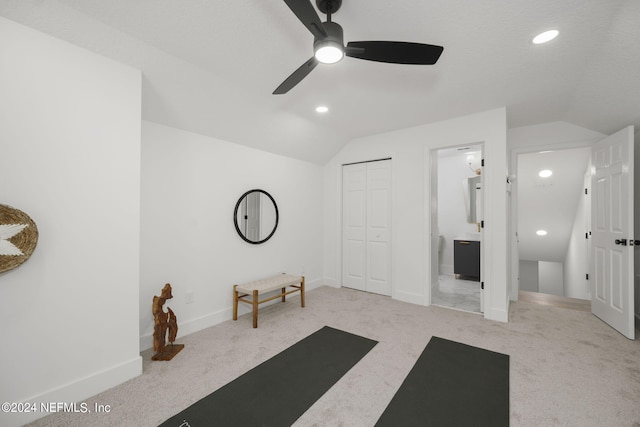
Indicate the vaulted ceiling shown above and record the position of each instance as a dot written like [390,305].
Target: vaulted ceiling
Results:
[210,66]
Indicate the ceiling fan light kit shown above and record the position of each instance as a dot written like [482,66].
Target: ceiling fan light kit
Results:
[329,48]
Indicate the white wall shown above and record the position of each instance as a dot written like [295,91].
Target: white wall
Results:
[529,276]
[70,141]
[190,186]
[550,278]
[410,150]
[551,135]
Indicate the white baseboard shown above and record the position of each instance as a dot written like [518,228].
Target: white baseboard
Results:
[194,325]
[497,315]
[331,281]
[75,391]
[409,297]
[190,326]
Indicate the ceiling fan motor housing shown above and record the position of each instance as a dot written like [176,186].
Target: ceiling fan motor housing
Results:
[335,35]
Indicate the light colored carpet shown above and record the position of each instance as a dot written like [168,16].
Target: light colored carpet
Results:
[567,367]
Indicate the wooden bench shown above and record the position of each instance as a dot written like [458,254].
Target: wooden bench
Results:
[256,288]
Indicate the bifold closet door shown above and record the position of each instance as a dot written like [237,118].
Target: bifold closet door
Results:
[366,223]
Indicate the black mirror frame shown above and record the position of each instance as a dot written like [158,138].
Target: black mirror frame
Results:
[235,217]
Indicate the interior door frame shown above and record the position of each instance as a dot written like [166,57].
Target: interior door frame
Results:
[514,255]
[431,236]
[636,211]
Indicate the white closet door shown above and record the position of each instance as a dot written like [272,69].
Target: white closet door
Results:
[353,225]
[379,227]
[366,249]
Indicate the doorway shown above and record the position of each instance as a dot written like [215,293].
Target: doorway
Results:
[609,206]
[457,214]
[552,221]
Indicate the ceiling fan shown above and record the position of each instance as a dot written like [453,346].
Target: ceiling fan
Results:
[328,44]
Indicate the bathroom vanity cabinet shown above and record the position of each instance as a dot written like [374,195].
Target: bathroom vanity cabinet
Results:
[466,258]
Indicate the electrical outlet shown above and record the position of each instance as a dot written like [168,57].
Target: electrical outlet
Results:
[189,297]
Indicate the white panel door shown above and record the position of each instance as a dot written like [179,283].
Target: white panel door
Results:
[354,226]
[379,227]
[612,231]
[366,234]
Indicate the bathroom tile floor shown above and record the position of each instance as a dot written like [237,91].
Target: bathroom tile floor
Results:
[455,293]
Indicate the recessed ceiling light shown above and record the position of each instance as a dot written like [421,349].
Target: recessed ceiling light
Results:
[322,109]
[545,173]
[545,37]
[541,232]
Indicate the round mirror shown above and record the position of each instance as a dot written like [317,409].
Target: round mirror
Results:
[256,216]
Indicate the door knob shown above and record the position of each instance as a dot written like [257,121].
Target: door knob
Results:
[622,242]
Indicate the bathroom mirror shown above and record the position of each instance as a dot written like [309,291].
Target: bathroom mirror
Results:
[256,216]
[472,188]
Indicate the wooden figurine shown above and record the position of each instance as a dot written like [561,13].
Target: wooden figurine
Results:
[163,322]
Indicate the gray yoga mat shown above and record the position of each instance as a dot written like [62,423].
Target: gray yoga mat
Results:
[452,384]
[278,391]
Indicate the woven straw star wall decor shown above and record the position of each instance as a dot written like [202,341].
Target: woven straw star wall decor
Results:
[18,237]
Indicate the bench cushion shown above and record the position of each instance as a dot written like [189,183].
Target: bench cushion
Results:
[270,284]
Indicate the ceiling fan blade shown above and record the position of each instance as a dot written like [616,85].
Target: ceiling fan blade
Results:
[296,77]
[395,52]
[305,12]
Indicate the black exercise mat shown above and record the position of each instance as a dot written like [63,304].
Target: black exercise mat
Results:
[278,391]
[452,384]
